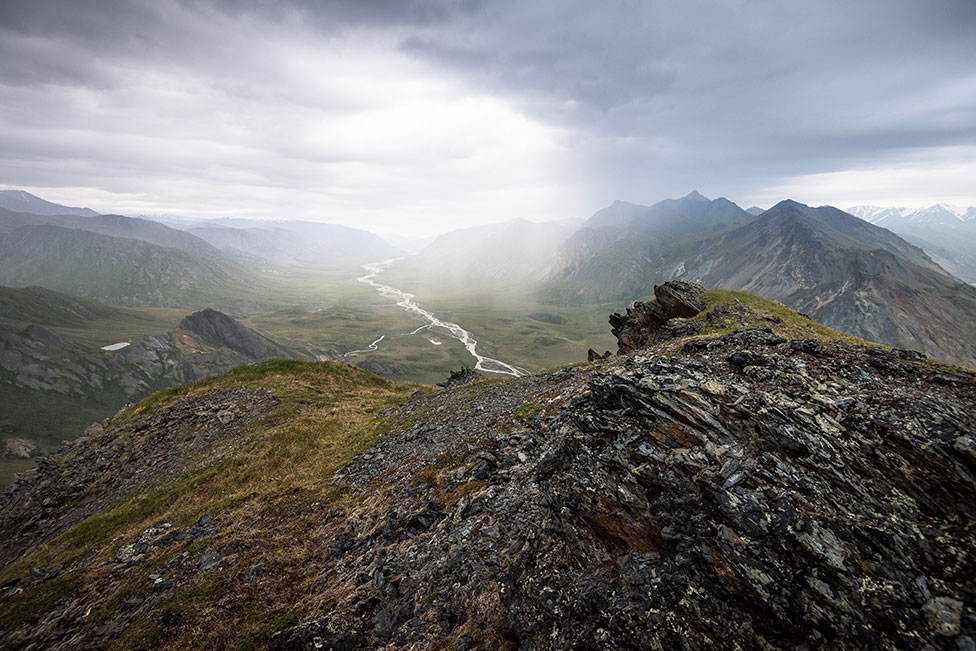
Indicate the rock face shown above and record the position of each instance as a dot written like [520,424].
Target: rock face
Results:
[680,299]
[748,490]
[647,323]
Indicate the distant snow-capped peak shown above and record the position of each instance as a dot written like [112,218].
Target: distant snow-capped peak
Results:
[939,213]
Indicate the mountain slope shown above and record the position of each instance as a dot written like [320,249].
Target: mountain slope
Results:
[113,270]
[296,243]
[53,384]
[116,226]
[617,253]
[20,201]
[845,272]
[842,270]
[948,235]
[732,487]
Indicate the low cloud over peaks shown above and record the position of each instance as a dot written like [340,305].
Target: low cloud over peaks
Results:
[396,113]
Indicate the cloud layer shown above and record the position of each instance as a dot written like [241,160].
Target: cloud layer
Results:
[422,115]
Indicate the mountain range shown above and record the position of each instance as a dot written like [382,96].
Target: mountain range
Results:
[844,271]
[946,233]
[20,201]
[293,243]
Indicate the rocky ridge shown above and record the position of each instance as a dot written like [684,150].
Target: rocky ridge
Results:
[744,487]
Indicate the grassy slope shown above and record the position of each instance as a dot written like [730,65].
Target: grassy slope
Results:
[762,312]
[283,467]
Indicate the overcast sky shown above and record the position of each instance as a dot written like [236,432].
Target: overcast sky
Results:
[400,115]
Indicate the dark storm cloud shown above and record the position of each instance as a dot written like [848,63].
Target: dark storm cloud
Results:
[796,87]
[647,99]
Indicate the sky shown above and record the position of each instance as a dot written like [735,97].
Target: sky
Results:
[418,116]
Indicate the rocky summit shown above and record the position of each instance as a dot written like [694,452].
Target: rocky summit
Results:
[753,480]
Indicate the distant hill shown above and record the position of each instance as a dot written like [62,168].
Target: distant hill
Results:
[114,270]
[947,234]
[134,228]
[295,243]
[53,383]
[20,201]
[47,307]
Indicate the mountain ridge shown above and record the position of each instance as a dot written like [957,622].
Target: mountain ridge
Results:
[110,269]
[21,201]
[841,269]
[948,234]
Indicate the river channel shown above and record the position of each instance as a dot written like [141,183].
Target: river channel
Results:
[405,300]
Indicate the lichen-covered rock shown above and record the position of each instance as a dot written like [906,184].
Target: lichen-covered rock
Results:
[680,298]
[646,323]
[679,502]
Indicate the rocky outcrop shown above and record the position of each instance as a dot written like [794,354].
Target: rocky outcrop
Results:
[761,496]
[645,323]
[462,376]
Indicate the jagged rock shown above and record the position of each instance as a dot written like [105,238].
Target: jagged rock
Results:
[680,298]
[944,615]
[653,321]
[808,346]
[45,572]
[20,448]
[676,328]
[905,353]
[593,356]
[764,337]
[462,376]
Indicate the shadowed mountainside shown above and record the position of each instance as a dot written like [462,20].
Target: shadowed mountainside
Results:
[114,270]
